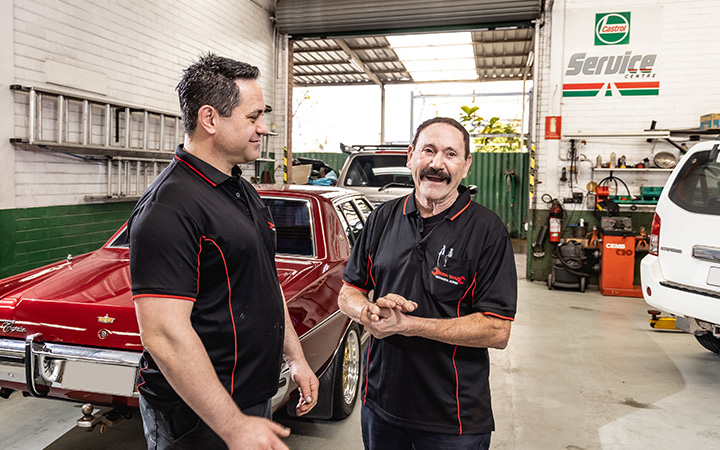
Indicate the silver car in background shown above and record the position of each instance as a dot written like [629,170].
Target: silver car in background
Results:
[378,171]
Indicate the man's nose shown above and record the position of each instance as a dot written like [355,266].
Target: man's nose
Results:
[261,126]
[437,160]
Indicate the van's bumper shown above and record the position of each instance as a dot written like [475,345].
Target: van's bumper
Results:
[675,298]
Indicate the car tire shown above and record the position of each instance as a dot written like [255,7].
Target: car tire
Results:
[346,380]
[709,341]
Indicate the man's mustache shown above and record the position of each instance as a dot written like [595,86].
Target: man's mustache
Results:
[440,174]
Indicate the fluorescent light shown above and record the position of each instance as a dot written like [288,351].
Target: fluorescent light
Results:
[437,56]
[446,75]
[424,40]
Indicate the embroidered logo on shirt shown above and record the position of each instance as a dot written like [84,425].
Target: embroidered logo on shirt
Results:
[271,225]
[452,279]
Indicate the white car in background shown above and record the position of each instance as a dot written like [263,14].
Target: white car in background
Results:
[681,274]
[379,171]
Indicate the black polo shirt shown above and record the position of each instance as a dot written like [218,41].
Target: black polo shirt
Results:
[199,235]
[462,266]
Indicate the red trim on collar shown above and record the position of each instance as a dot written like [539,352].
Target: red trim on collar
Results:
[461,211]
[195,170]
[405,205]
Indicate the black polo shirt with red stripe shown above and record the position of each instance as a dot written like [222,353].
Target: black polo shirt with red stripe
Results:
[198,235]
[464,265]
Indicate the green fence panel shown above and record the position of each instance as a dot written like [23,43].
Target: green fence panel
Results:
[334,160]
[502,182]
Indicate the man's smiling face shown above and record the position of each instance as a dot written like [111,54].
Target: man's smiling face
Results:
[438,163]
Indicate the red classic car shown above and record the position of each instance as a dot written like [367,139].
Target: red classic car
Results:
[68,330]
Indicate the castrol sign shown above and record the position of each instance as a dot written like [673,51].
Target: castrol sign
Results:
[612,28]
[610,55]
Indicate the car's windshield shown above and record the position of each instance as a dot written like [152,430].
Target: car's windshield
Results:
[292,224]
[378,170]
[697,185]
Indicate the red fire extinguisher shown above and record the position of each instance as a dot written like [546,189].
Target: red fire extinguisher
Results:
[555,221]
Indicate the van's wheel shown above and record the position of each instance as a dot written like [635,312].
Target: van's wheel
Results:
[346,380]
[709,341]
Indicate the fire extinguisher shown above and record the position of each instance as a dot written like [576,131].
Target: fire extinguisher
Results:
[555,221]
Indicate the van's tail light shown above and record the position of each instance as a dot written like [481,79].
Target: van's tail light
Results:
[655,235]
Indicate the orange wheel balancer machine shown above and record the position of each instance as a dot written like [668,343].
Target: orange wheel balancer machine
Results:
[617,260]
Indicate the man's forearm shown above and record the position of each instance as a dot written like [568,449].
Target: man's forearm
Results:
[351,301]
[292,349]
[474,330]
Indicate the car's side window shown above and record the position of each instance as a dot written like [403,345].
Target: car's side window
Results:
[364,207]
[293,226]
[351,220]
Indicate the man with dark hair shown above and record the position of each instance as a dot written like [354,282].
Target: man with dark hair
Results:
[443,274]
[213,321]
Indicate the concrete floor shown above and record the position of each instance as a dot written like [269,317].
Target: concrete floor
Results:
[582,371]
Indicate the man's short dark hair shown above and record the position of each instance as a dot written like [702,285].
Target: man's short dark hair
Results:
[449,121]
[211,81]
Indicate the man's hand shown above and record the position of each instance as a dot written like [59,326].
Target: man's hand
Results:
[387,316]
[258,432]
[307,382]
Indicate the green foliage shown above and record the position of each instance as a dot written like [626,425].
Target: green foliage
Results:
[477,125]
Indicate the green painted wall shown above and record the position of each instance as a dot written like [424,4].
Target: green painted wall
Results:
[33,237]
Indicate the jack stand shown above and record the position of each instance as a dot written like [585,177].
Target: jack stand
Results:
[661,323]
[89,420]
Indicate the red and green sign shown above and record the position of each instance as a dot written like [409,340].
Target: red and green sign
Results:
[622,88]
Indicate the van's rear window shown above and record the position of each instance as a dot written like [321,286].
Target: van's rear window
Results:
[697,185]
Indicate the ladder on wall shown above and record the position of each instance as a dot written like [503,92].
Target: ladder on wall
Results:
[136,142]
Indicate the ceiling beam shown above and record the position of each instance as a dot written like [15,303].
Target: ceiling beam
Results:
[355,60]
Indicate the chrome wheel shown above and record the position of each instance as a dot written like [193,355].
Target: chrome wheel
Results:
[351,367]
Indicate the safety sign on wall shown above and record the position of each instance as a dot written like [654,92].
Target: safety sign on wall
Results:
[612,53]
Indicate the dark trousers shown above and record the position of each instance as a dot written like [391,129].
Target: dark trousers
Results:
[183,429]
[378,434]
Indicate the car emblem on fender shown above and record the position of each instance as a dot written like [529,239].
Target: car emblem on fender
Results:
[106,319]
[8,326]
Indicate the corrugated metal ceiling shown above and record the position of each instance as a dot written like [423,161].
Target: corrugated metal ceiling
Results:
[338,42]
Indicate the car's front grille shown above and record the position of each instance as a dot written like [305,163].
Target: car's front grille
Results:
[691,289]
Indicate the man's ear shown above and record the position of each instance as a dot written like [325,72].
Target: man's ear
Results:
[409,156]
[207,116]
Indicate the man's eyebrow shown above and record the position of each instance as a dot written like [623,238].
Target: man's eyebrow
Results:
[257,112]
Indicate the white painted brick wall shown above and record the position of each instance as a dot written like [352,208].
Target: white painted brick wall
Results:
[687,66]
[140,48]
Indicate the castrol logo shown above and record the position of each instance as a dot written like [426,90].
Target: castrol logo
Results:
[612,28]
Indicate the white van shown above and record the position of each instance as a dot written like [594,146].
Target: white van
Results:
[681,274]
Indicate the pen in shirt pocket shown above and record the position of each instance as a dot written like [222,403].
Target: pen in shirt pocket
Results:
[449,255]
[441,253]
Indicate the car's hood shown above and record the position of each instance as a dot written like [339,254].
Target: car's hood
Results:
[88,300]
[84,301]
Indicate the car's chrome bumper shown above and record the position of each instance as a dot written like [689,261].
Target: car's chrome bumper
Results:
[43,365]
[677,299]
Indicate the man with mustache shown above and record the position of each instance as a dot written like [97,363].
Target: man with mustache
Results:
[445,289]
